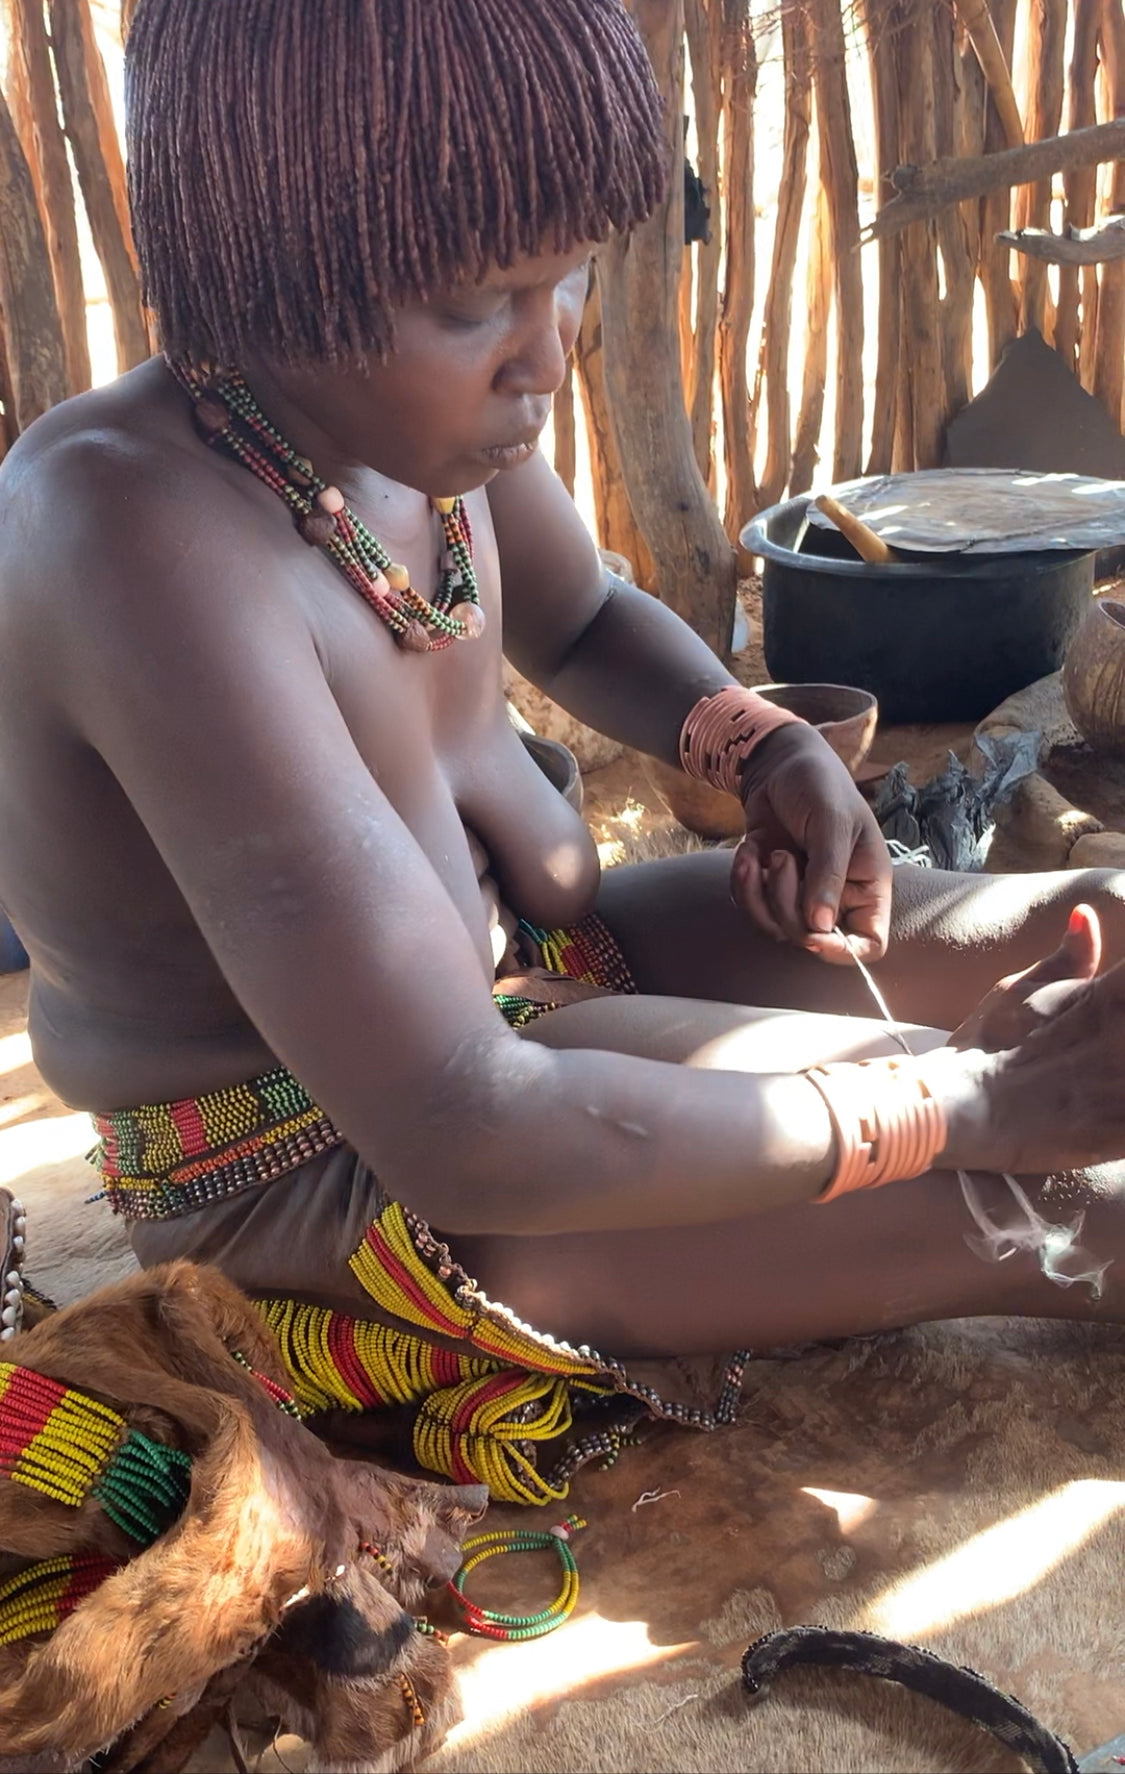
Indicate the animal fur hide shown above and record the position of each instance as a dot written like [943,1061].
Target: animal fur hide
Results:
[262,1578]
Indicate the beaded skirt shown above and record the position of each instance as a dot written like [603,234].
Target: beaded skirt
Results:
[488,1398]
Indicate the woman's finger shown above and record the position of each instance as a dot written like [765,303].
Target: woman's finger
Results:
[783,890]
[748,889]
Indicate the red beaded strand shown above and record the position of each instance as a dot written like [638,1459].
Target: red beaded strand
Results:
[228,418]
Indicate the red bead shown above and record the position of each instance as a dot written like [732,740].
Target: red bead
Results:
[473,617]
[414,639]
[317,527]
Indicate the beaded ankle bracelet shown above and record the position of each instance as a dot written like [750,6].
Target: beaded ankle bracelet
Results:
[483,1622]
[229,418]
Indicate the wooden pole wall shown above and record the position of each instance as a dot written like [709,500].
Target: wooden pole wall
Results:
[34,106]
[34,351]
[700,379]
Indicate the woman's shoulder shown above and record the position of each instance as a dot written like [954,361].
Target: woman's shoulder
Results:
[104,498]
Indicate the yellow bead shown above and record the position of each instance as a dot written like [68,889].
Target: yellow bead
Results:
[398,576]
[445,506]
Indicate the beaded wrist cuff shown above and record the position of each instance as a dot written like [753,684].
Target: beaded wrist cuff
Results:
[723,730]
[888,1124]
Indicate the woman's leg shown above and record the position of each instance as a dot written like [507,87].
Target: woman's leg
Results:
[867,1262]
[952,937]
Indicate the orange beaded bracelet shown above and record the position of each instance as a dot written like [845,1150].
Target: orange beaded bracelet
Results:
[721,732]
[888,1124]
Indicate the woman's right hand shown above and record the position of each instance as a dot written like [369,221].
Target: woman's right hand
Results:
[1044,1067]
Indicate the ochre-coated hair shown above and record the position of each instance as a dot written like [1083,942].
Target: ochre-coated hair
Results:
[300,168]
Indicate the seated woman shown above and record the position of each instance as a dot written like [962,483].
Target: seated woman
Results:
[291,884]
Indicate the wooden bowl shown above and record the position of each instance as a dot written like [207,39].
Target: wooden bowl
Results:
[1094,677]
[847,717]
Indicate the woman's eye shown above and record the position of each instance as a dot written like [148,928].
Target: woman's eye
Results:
[473,314]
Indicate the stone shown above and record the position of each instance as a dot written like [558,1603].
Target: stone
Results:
[1098,850]
[1034,413]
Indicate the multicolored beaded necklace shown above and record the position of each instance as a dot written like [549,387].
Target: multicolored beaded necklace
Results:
[229,418]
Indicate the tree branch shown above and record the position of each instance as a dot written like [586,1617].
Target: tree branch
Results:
[924,190]
[1078,246]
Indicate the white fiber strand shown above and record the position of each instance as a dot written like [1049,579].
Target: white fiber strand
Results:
[1056,1248]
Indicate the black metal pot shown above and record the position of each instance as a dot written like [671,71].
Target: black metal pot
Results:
[935,637]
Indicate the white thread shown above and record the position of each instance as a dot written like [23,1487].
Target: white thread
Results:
[1051,1245]
[651,1497]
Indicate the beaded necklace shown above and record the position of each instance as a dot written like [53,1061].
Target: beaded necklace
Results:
[229,418]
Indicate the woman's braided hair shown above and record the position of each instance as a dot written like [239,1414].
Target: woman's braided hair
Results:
[299,168]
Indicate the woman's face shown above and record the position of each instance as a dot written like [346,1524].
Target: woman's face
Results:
[468,388]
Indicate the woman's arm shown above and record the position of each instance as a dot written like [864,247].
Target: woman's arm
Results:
[619,660]
[175,657]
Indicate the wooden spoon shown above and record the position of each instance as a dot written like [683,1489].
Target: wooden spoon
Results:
[862,537]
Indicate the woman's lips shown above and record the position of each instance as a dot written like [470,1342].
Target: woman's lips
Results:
[510,455]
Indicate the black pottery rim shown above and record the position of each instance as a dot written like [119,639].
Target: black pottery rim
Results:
[756,541]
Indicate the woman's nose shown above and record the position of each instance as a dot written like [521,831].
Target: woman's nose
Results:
[537,364]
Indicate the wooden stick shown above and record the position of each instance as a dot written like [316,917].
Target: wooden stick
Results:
[957,226]
[921,324]
[1082,246]
[819,295]
[613,515]
[1076,292]
[994,264]
[9,430]
[1046,45]
[862,537]
[981,26]
[33,338]
[703,20]
[925,190]
[639,279]
[37,123]
[1109,356]
[566,439]
[790,202]
[880,20]
[740,80]
[840,178]
[94,142]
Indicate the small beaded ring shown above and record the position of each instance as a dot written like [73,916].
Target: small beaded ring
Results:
[723,730]
[483,1622]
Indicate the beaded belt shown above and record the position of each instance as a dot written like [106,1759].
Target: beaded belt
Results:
[168,1159]
[171,1158]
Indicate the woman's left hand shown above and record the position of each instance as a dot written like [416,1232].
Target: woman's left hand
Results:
[813,857]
